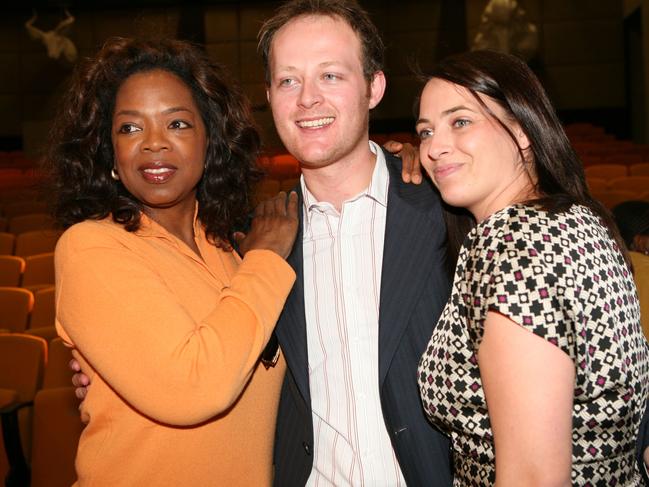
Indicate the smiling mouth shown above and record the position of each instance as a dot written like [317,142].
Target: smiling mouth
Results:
[158,174]
[314,124]
[446,170]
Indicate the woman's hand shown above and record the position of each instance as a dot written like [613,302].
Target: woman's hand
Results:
[274,226]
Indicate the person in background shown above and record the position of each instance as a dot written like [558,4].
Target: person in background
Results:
[370,259]
[152,159]
[538,368]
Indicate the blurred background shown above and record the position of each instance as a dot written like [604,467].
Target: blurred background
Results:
[590,55]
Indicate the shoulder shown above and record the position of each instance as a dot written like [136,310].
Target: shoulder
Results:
[422,195]
[92,234]
[520,226]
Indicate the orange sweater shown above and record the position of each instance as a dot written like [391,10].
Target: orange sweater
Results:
[171,345]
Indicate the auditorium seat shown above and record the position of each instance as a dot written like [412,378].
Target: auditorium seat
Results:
[7,242]
[636,184]
[29,222]
[39,271]
[36,242]
[16,303]
[22,361]
[57,425]
[11,270]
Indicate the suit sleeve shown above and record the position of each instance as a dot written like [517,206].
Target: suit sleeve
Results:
[134,333]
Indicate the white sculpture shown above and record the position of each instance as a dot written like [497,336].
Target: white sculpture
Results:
[55,40]
[504,27]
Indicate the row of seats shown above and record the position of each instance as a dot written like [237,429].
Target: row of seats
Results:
[618,170]
[16,159]
[29,272]
[26,223]
[39,411]
[14,179]
[636,184]
[612,197]
[15,207]
[28,243]
[25,310]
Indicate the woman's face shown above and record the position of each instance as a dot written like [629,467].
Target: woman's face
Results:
[469,156]
[159,140]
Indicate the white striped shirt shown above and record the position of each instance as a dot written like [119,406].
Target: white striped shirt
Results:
[343,254]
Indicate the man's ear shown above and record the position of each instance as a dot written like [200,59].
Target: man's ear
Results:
[377,88]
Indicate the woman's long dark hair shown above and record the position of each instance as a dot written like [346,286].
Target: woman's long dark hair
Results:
[80,155]
[560,179]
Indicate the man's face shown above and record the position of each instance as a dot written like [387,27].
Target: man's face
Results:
[318,94]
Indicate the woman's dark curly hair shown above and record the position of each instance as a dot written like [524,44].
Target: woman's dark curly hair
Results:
[80,155]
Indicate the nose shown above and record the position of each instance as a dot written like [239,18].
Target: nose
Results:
[155,139]
[437,145]
[310,94]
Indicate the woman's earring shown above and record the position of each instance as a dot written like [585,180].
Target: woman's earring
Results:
[114,175]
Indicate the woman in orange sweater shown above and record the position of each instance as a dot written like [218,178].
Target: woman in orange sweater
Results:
[153,159]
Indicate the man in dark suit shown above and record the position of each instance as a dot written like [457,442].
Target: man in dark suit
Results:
[323,63]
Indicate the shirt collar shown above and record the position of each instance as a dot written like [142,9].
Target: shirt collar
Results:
[377,189]
[151,228]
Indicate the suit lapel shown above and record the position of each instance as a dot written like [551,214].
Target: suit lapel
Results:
[413,236]
[291,327]
[414,233]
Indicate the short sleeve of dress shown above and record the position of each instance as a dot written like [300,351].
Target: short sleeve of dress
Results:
[529,280]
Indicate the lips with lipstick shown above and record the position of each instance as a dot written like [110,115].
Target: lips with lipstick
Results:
[315,123]
[157,173]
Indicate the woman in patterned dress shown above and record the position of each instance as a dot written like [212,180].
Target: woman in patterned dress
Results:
[537,369]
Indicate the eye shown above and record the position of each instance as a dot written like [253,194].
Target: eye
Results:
[128,128]
[179,124]
[330,77]
[286,82]
[461,123]
[425,133]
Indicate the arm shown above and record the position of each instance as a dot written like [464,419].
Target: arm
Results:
[528,385]
[119,313]
[132,330]
[411,164]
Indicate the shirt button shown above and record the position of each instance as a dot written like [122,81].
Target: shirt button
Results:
[307,448]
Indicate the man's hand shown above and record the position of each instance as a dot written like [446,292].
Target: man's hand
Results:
[79,380]
[274,226]
[409,154]
[646,457]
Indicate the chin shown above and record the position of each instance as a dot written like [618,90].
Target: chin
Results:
[454,199]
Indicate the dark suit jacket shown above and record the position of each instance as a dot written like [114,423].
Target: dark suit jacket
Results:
[414,290]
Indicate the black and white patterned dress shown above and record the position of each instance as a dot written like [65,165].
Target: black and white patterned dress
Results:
[562,277]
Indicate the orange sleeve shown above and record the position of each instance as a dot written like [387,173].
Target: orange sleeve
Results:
[132,330]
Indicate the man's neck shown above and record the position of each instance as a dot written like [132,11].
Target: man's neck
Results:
[341,180]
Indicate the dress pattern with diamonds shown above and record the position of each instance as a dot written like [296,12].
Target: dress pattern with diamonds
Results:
[562,277]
